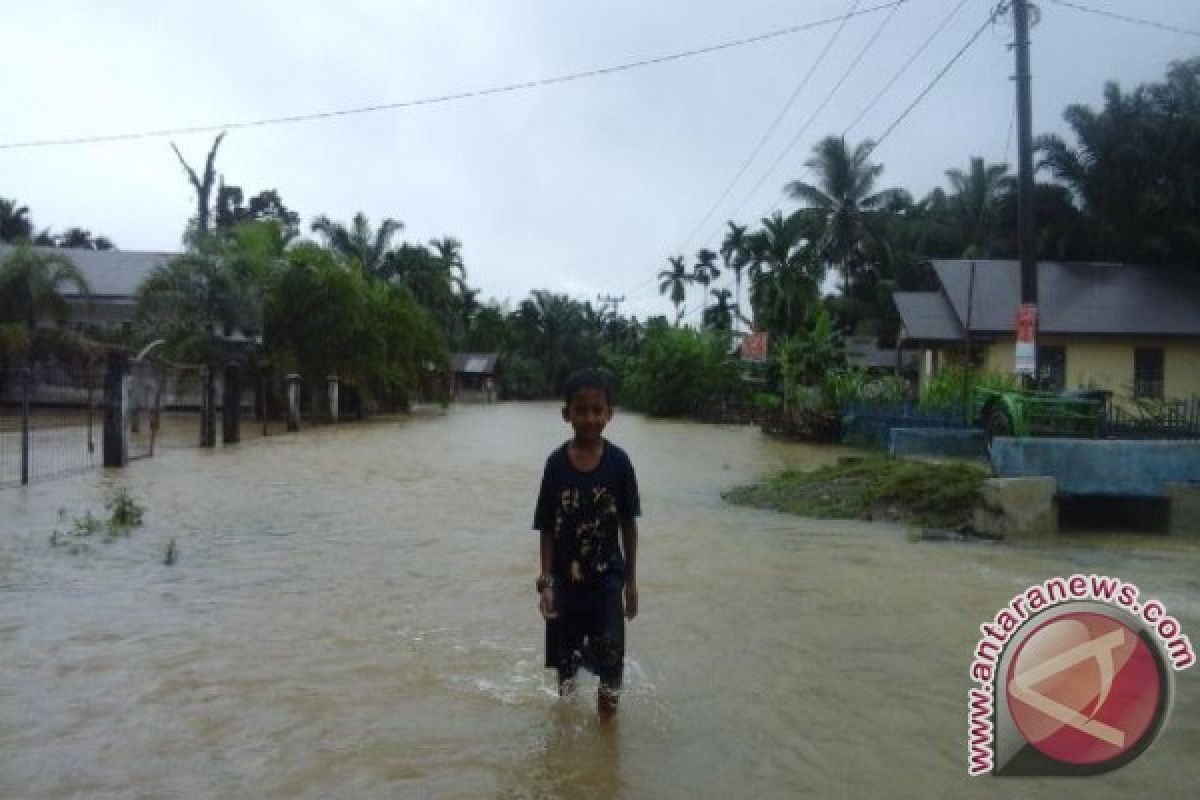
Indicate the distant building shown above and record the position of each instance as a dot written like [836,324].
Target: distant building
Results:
[475,377]
[1132,330]
[865,353]
[113,275]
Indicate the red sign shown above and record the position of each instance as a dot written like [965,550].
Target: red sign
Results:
[754,347]
[1026,322]
[1026,351]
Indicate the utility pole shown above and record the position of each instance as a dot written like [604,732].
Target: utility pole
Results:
[1026,355]
[614,301]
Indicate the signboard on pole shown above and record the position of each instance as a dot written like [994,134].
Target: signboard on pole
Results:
[754,347]
[1026,355]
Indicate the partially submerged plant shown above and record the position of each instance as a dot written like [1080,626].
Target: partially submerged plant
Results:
[124,512]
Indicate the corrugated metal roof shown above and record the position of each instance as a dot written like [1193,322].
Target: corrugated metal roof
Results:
[475,363]
[109,273]
[1078,298]
[928,317]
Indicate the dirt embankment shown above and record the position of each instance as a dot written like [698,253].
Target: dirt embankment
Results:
[872,488]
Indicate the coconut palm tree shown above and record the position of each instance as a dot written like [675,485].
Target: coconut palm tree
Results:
[15,224]
[191,297]
[369,247]
[785,274]
[77,238]
[843,200]
[720,315]
[31,284]
[975,195]
[448,250]
[675,281]
[736,257]
[704,272]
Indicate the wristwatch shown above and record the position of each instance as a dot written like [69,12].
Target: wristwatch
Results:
[544,582]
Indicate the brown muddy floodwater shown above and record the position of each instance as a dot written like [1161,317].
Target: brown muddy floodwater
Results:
[353,616]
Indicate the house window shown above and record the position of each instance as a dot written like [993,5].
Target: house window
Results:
[1052,367]
[1148,373]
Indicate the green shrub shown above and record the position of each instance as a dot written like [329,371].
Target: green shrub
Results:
[678,370]
[123,510]
[949,387]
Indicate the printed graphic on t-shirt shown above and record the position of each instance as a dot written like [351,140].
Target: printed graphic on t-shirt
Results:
[581,522]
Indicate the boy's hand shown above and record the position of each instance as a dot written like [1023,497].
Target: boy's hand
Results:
[631,600]
[546,603]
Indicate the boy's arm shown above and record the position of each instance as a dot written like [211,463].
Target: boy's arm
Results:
[546,595]
[547,553]
[629,542]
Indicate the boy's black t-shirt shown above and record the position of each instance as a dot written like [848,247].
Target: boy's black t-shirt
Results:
[582,511]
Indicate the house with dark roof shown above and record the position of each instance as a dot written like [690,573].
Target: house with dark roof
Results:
[113,275]
[1131,329]
[475,377]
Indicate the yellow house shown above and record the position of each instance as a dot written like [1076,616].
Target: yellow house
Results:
[1132,330]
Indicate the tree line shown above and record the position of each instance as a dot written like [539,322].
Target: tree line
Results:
[352,298]
[1126,189]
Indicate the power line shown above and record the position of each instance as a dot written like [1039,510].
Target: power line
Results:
[928,87]
[1149,23]
[774,125]
[812,117]
[937,78]
[446,98]
[845,74]
[904,68]
[842,19]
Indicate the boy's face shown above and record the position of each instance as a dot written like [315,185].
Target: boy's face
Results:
[588,413]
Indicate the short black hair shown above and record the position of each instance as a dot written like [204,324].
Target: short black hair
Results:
[590,379]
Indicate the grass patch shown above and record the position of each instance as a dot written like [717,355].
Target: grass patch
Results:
[874,487]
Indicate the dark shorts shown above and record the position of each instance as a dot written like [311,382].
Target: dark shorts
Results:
[590,633]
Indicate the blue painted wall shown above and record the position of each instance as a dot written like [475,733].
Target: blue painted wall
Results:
[1099,466]
[957,442]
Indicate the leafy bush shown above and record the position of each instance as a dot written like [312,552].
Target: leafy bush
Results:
[951,385]
[124,510]
[677,371]
[853,386]
[767,402]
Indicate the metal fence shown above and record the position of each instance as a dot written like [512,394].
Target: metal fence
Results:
[51,421]
[1173,419]
[871,425]
[52,415]
[168,401]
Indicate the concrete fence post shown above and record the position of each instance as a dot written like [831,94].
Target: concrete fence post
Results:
[331,385]
[116,410]
[26,389]
[208,408]
[231,418]
[293,401]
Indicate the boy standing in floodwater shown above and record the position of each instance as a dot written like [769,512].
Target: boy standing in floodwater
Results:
[586,512]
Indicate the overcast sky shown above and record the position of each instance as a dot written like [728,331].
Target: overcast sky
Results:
[582,187]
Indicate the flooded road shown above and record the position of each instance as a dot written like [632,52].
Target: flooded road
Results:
[353,616]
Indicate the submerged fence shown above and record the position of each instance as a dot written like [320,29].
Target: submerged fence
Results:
[51,421]
[53,416]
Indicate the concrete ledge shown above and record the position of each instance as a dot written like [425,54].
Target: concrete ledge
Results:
[1017,508]
[1100,466]
[951,442]
[1185,510]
